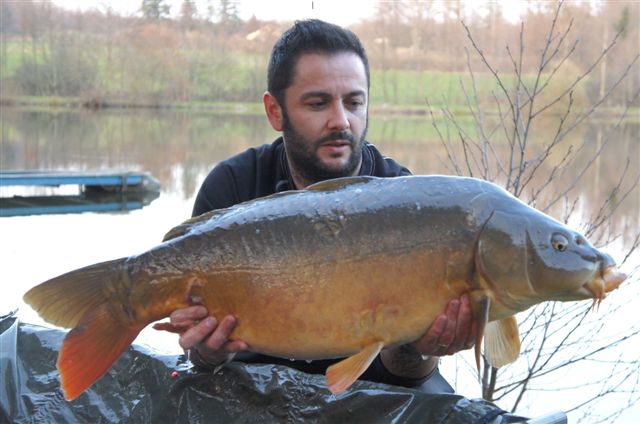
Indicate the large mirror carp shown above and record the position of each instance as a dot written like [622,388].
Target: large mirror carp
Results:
[341,269]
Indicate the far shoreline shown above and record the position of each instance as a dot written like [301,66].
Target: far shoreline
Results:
[45,103]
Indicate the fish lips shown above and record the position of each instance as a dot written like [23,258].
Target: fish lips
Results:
[609,280]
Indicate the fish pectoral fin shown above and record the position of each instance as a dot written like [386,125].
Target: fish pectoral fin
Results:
[482,302]
[502,342]
[343,374]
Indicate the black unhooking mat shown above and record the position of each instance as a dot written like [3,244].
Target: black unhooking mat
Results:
[144,387]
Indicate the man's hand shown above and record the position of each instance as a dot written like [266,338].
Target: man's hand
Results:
[451,332]
[200,334]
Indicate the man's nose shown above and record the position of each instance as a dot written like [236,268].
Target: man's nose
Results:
[338,120]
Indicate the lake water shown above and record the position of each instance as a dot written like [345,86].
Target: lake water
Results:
[179,148]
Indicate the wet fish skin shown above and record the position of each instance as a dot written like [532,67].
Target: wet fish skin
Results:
[342,268]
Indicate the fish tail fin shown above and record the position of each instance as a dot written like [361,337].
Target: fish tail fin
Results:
[65,299]
[91,348]
[77,299]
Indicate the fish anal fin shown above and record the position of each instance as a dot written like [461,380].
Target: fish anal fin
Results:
[336,183]
[343,374]
[90,349]
[502,342]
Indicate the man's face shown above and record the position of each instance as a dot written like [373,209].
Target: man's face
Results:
[325,116]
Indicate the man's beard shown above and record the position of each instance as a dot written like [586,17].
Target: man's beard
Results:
[302,153]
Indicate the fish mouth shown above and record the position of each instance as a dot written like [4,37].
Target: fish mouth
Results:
[600,285]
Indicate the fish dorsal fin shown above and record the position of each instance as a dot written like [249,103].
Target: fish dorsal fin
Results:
[184,228]
[502,342]
[343,374]
[340,182]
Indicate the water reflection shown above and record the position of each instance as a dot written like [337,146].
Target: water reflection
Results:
[162,141]
[150,141]
[83,202]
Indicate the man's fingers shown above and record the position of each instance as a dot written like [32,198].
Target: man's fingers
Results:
[467,327]
[428,343]
[464,315]
[449,334]
[430,339]
[463,326]
[198,333]
[221,334]
[188,316]
[236,346]
[167,326]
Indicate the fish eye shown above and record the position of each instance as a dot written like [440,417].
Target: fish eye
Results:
[559,242]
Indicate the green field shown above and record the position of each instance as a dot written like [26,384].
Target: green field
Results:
[193,75]
[82,72]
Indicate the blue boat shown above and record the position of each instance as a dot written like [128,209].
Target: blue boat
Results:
[106,191]
[105,180]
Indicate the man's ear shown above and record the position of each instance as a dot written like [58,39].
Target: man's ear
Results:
[273,110]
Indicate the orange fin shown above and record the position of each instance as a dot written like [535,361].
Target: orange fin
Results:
[65,299]
[502,342]
[343,374]
[91,348]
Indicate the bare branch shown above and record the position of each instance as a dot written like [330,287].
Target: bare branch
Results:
[579,78]
[553,338]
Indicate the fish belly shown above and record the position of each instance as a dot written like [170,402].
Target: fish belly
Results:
[332,309]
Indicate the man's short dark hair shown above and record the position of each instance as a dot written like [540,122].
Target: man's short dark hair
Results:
[308,36]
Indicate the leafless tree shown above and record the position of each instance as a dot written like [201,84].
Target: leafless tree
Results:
[557,339]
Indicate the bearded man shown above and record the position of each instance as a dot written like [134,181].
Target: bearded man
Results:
[318,92]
